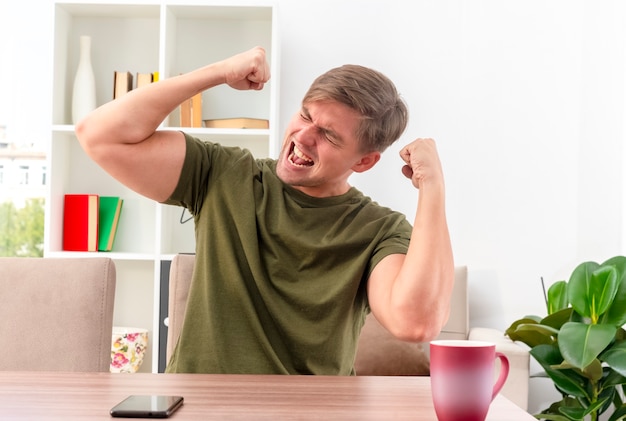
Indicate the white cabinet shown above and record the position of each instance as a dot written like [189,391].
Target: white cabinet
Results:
[168,37]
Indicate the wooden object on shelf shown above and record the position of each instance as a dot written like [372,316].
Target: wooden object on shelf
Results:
[196,110]
[237,123]
[80,222]
[191,112]
[122,83]
[185,113]
[144,79]
[110,209]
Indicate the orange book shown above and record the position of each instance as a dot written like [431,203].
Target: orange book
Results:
[196,110]
[185,113]
[80,222]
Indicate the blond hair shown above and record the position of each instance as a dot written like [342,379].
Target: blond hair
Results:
[370,93]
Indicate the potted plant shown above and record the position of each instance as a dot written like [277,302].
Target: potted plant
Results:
[581,343]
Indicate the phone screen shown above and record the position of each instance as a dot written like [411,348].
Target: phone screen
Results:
[147,406]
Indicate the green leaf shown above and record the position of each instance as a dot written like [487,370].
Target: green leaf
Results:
[554,411]
[558,319]
[578,287]
[576,414]
[597,405]
[612,378]
[593,371]
[541,329]
[557,297]
[619,414]
[574,409]
[592,288]
[515,324]
[581,413]
[616,314]
[529,337]
[567,381]
[552,417]
[580,343]
[617,399]
[615,357]
[608,397]
[547,355]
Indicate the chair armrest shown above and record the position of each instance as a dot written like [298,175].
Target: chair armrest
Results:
[516,386]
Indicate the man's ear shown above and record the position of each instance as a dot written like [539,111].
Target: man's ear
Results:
[366,162]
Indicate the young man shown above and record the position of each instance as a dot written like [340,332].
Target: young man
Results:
[289,257]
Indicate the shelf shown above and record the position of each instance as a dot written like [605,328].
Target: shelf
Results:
[169,37]
[110,10]
[112,255]
[256,140]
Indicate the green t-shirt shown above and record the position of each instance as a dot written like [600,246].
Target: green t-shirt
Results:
[280,277]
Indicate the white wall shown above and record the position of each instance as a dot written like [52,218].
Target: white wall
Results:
[526,102]
[25,69]
[525,99]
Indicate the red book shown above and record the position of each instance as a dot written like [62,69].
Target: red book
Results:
[80,222]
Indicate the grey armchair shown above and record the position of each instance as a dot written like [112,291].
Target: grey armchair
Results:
[56,314]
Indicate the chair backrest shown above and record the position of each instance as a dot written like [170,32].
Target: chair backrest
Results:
[56,314]
[379,353]
[180,281]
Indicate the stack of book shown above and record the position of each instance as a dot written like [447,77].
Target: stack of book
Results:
[123,81]
[237,123]
[90,222]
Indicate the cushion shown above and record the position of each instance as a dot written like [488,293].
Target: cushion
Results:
[381,354]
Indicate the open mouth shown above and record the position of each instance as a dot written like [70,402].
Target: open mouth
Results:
[299,158]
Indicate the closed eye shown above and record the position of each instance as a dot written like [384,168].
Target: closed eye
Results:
[305,116]
[330,135]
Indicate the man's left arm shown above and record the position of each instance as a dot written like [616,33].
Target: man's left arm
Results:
[410,294]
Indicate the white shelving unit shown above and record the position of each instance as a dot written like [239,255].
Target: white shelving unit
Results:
[169,37]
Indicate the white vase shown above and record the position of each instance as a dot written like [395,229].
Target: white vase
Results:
[84,93]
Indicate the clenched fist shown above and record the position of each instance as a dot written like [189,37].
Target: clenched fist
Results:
[422,162]
[247,70]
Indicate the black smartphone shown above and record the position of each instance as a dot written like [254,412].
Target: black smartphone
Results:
[147,406]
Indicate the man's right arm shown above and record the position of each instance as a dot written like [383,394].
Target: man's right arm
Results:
[121,136]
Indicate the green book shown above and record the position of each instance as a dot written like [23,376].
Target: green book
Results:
[109,216]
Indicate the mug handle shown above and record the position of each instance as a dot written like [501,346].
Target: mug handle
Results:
[504,372]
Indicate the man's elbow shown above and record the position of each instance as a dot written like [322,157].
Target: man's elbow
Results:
[419,332]
[82,134]
[89,140]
